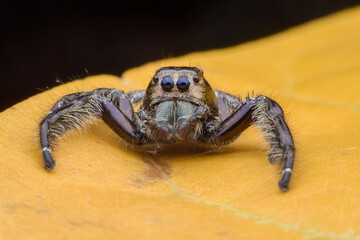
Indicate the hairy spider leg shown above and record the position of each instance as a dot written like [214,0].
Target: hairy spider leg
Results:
[75,111]
[226,103]
[68,99]
[49,130]
[120,122]
[136,96]
[269,117]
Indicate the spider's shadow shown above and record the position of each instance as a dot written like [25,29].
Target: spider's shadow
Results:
[173,153]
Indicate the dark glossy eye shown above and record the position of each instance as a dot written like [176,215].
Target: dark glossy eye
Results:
[183,84]
[167,84]
[156,79]
[196,78]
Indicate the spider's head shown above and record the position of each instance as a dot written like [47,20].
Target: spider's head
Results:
[179,84]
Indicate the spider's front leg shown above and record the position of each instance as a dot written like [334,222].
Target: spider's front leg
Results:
[269,117]
[78,109]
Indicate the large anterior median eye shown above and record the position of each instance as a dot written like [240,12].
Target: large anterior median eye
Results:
[167,84]
[183,84]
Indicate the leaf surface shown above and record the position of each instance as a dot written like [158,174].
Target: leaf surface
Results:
[101,190]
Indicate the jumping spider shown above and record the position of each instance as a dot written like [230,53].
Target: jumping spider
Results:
[179,106]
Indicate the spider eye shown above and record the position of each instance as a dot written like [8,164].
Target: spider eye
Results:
[196,78]
[156,79]
[183,84]
[167,84]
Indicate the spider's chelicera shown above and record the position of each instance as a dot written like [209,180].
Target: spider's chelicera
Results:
[178,107]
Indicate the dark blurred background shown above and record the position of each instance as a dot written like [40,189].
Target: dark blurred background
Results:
[45,40]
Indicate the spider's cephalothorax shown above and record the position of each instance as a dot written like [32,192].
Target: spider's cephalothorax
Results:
[179,106]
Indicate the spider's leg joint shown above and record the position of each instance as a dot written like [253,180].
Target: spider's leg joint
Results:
[46,149]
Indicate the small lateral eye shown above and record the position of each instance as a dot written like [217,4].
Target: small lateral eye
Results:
[167,84]
[196,78]
[183,84]
[156,79]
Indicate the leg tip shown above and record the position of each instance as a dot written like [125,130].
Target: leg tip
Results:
[283,184]
[49,162]
[49,165]
[283,187]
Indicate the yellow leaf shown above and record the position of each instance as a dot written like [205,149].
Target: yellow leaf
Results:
[101,190]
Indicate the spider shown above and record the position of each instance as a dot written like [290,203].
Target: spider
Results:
[178,107]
